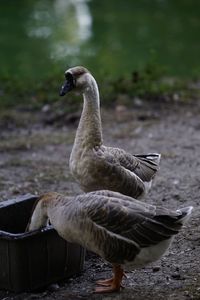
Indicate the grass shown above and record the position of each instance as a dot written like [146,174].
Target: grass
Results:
[149,83]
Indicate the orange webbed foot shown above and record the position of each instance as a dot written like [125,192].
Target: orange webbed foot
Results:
[112,284]
[105,282]
[107,289]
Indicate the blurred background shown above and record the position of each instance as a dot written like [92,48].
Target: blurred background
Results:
[145,56]
[40,39]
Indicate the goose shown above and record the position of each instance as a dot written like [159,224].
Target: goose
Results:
[94,165]
[124,231]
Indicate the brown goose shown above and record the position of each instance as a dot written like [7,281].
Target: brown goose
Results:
[122,230]
[94,165]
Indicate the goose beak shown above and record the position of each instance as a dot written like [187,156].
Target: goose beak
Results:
[66,87]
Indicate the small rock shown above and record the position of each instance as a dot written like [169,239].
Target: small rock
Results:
[53,287]
[176,182]
[176,276]
[167,278]
[46,108]
[150,135]
[121,108]
[186,293]
[176,97]
[156,269]
[176,196]
[138,101]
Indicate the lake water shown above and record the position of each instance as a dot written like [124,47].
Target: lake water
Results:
[110,37]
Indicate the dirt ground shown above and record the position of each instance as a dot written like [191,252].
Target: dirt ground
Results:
[34,158]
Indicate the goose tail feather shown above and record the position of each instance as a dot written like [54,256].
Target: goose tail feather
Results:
[185,214]
[148,166]
[154,157]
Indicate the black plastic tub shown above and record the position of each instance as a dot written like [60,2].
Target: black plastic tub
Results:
[32,260]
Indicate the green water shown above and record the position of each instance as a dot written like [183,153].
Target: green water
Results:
[111,37]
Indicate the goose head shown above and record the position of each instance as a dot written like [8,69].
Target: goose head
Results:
[77,78]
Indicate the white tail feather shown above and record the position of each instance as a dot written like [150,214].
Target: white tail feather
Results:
[186,213]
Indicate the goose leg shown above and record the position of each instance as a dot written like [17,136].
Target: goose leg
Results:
[113,284]
[105,282]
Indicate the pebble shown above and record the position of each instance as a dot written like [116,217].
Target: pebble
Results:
[167,279]
[156,269]
[176,276]
[53,287]
[46,108]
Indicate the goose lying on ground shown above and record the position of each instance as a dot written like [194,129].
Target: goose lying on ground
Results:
[94,165]
[122,230]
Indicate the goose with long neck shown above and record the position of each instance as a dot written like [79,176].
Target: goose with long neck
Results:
[125,232]
[89,132]
[94,165]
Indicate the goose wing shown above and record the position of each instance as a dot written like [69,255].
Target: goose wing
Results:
[144,166]
[143,226]
[112,175]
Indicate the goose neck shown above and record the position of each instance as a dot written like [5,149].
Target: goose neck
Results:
[39,216]
[89,130]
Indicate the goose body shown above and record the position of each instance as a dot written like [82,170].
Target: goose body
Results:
[94,165]
[122,230]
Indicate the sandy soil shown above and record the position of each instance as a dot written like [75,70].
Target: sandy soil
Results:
[34,158]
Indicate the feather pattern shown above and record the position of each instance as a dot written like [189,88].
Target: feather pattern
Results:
[95,166]
[115,226]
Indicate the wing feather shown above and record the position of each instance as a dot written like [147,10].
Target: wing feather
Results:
[144,166]
[131,221]
[113,176]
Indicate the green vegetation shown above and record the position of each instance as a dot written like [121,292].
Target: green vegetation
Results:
[131,43]
[150,83]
